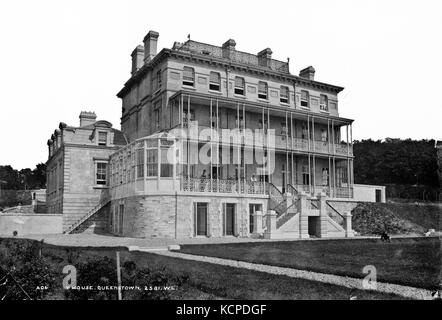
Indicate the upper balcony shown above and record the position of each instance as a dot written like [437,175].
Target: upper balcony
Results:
[250,137]
[221,120]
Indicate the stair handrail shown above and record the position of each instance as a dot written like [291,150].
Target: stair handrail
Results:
[283,218]
[94,210]
[313,203]
[292,189]
[274,188]
[333,208]
[282,203]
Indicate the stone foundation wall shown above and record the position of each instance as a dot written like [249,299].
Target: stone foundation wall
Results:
[172,216]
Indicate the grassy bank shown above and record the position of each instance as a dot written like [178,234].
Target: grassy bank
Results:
[190,279]
[413,261]
[396,218]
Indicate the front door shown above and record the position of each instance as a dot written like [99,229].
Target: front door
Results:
[313,224]
[252,209]
[229,222]
[378,195]
[201,219]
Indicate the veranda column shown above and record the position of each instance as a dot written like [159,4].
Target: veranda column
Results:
[348,176]
[188,138]
[286,151]
[314,175]
[244,154]
[334,177]
[144,164]
[211,149]
[313,132]
[309,175]
[181,108]
[308,132]
[329,177]
[268,153]
[174,165]
[328,136]
[217,148]
[263,146]
[238,141]
[351,137]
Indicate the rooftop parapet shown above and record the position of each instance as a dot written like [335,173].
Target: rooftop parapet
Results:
[228,52]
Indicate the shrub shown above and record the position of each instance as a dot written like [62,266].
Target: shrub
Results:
[25,270]
[375,219]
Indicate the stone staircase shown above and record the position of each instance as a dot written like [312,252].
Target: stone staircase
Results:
[94,221]
[296,215]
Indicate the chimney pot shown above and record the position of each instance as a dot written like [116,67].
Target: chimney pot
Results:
[87,118]
[307,73]
[228,48]
[264,57]
[150,45]
[137,58]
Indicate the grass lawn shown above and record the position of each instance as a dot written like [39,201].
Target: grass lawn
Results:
[204,280]
[408,261]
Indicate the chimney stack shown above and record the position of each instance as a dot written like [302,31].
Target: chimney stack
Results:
[137,59]
[264,57]
[228,48]
[308,73]
[87,118]
[150,45]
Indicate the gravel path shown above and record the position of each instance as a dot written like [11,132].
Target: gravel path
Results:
[404,291]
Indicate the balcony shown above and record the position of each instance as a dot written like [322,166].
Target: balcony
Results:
[249,137]
[223,186]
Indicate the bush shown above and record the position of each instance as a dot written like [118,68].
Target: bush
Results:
[152,284]
[375,219]
[25,270]
[96,273]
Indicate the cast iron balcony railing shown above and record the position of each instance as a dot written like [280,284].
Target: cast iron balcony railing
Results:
[223,186]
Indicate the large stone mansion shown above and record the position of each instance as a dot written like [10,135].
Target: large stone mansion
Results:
[214,142]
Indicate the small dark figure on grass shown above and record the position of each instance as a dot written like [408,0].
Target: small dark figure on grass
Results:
[385,237]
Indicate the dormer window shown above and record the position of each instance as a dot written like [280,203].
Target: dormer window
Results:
[262,90]
[215,81]
[188,76]
[304,99]
[284,95]
[323,105]
[239,86]
[102,138]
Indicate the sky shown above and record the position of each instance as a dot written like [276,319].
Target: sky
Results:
[58,58]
